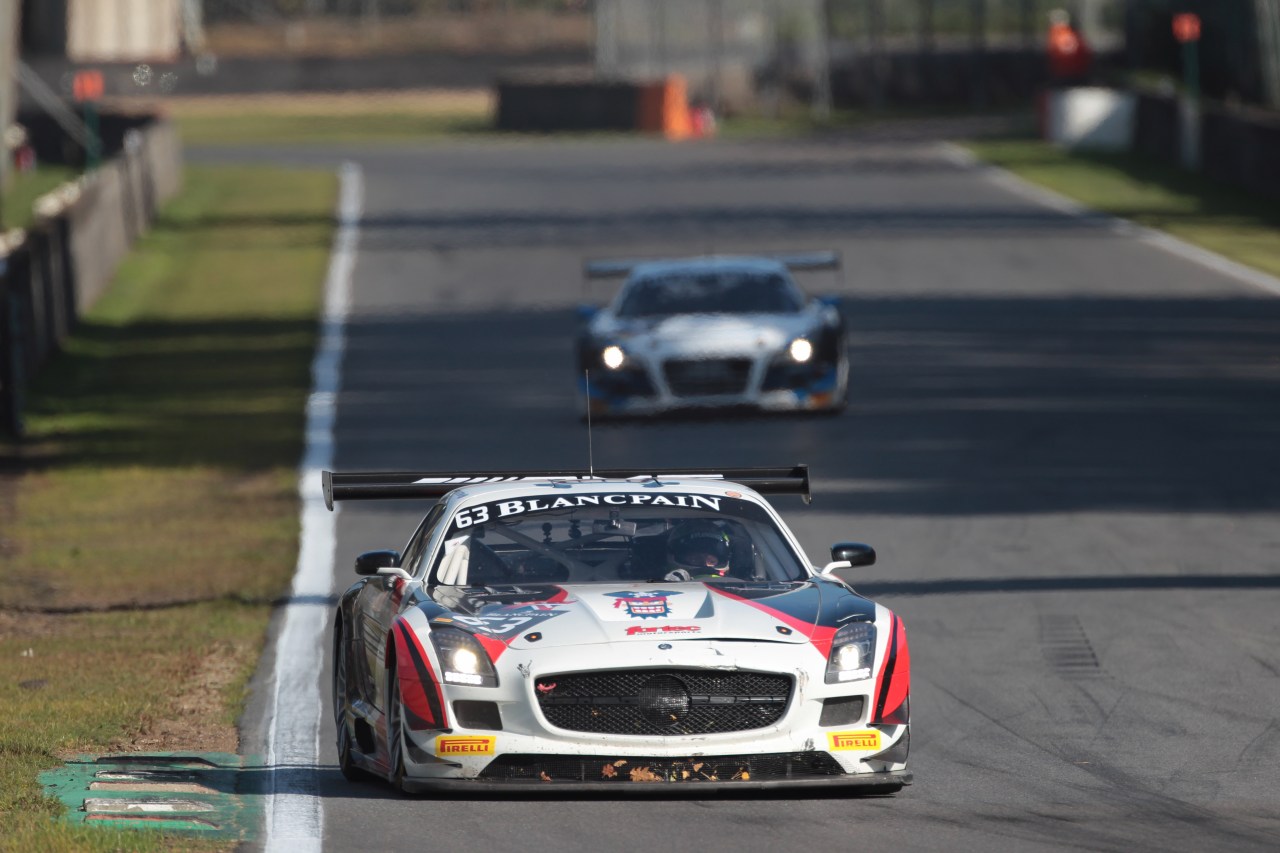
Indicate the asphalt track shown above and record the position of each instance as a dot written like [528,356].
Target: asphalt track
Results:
[1063,443]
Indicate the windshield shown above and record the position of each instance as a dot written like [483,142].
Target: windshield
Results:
[735,292]
[611,538]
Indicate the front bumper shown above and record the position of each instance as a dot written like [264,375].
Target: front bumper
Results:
[804,748]
[643,389]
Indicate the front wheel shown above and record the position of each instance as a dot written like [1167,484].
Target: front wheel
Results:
[395,732]
[345,762]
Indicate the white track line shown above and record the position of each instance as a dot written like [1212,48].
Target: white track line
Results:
[294,818]
[1152,237]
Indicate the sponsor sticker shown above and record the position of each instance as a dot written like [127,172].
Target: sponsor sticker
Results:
[644,605]
[481,513]
[868,739]
[662,629]
[465,745]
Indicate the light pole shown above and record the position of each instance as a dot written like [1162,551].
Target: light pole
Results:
[1186,29]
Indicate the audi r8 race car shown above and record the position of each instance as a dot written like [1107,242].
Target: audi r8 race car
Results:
[712,332]
[617,628]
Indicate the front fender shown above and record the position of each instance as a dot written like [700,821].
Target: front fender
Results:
[408,650]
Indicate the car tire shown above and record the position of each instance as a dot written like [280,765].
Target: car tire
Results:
[395,732]
[346,763]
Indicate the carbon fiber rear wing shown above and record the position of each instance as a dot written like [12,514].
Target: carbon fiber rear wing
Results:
[795,261]
[403,485]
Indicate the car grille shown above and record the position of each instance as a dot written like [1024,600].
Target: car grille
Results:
[706,377]
[611,768]
[663,701]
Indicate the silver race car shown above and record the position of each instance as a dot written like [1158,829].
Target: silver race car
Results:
[712,332]
[618,628]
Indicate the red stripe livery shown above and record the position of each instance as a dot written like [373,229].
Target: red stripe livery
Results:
[893,683]
[419,688]
[819,635]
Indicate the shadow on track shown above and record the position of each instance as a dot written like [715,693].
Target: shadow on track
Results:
[958,406]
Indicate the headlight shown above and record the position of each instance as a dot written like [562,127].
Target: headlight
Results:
[613,357]
[800,350]
[853,650]
[462,658]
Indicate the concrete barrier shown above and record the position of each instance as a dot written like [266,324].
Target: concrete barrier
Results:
[547,105]
[57,269]
[1091,118]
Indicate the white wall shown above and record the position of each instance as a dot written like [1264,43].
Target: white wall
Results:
[1091,117]
[123,30]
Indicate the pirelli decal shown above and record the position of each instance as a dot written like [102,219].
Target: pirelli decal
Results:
[519,506]
[867,740]
[465,745]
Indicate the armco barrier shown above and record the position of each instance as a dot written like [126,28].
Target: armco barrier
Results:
[54,271]
[1156,130]
[1237,146]
[1241,149]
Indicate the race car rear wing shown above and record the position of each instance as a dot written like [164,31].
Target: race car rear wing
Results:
[795,261]
[399,485]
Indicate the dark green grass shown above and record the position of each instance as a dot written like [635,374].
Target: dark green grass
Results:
[159,472]
[1230,221]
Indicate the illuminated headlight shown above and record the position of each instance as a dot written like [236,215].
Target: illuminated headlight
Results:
[852,651]
[462,658]
[613,357]
[800,350]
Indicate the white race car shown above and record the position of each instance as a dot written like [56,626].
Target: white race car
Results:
[708,332]
[618,628]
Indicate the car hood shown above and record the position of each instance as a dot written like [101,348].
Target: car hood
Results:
[583,614]
[712,334]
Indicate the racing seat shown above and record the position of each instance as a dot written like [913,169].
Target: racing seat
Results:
[648,559]
[742,553]
[486,567]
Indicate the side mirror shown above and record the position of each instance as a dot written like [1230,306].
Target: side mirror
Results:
[847,555]
[587,312]
[370,562]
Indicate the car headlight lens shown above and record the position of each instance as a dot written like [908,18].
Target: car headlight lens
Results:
[466,661]
[800,350]
[852,651]
[613,357]
[462,659]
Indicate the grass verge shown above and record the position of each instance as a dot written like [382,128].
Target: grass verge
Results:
[1223,219]
[158,484]
[301,119]
[26,187]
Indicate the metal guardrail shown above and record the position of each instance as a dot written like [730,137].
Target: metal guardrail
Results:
[54,270]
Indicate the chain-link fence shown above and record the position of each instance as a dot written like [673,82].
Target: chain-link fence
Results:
[360,27]
[973,24]
[885,51]
[732,52]
[1239,47]
[728,50]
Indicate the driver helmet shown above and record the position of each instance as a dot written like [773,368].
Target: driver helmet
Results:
[699,546]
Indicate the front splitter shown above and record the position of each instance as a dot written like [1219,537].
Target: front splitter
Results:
[869,783]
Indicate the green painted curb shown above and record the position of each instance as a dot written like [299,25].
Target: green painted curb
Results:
[209,794]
